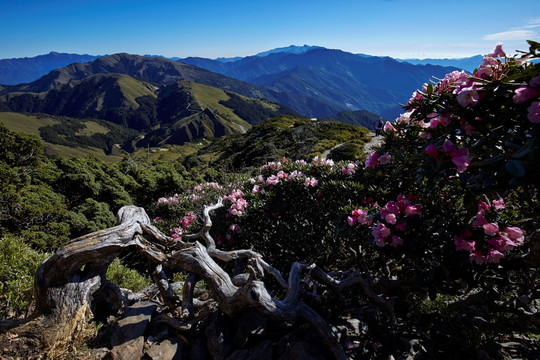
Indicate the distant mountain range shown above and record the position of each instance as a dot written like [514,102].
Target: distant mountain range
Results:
[181,100]
[468,64]
[350,81]
[313,81]
[25,70]
[160,71]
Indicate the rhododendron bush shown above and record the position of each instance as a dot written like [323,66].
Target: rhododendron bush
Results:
[446,205]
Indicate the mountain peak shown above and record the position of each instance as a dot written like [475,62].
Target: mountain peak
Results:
[292,49]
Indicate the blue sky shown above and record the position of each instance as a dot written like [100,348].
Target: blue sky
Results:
[211,28]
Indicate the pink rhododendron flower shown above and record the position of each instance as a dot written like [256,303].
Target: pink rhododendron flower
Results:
[469,129]
[273,166]
[479,221]
[491,229]
[385,159]
[525,93]
[401,226]
[322,161]
[498,204]
[445,118]
[311,182]
[390,218]
[380,232]
[452,79]
[238,207]
[272,180]
[423,124]
[296,174]
[157,219]
[468,96]
[176,233]
[416,96]
[477,257]
[487,68]
[482,205]
[391,207]
[404,118]
[432,151]
[236,228]
[535,81]
[360,216]
[515,233]
[494,256]
[534,112]
[281,174]
[498,51]
[351,220]
[462,244]
[461,162]
[411,210]
[349,170]
[502,243]
[449,146]
[389,126]
[372,160]
[396,241]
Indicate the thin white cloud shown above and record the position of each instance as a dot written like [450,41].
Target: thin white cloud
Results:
[512,35]
[532,23]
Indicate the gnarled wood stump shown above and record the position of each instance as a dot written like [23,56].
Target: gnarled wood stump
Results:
[73,278]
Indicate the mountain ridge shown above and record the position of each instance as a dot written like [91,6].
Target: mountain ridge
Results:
[172,113]
[27,69]
[314,81]
[351,81]
[163,71]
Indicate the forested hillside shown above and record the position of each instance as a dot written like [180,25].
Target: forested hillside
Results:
[45,201]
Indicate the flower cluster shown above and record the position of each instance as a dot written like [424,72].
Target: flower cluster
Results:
[394,214]
[491,242]
[375,159]
[208,185]
[393,222]
[281,176]
[359,216]
[529,92]
[272,166]
[185,223]
[349,169]
[239,204]
[459,156]
[317,161]
[170,201]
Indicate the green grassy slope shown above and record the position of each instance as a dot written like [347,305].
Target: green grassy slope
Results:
[78,140]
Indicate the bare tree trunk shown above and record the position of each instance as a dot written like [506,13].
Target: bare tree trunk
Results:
[67,281]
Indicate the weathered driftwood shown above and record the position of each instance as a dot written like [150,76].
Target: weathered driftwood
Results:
[69,281]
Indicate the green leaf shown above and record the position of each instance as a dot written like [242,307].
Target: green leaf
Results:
[430,89]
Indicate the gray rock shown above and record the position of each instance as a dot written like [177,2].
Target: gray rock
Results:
[168,349]
[127,339]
